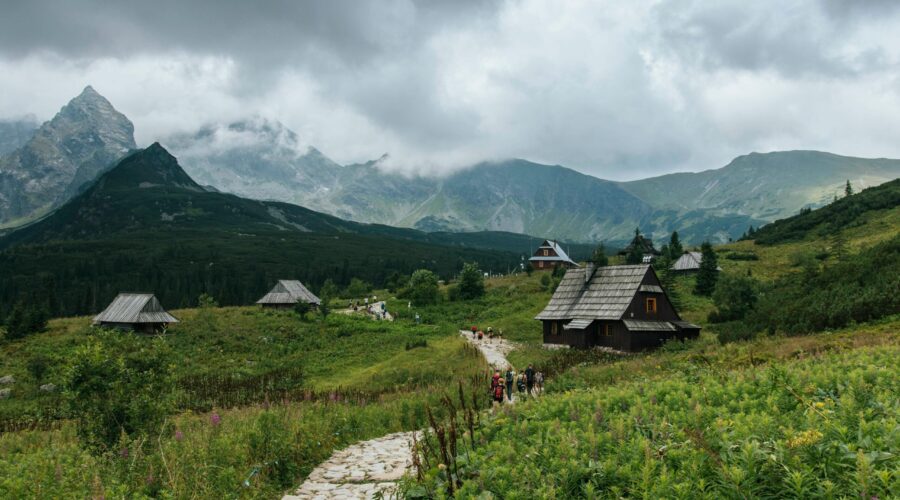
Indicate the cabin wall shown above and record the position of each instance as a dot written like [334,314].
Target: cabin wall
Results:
[665,311]
[572,338]
[618,338]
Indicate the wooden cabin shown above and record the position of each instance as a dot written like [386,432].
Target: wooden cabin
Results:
[140,312]
[689,263]
[286,293]
[645,247]
[551,255]
[621,307]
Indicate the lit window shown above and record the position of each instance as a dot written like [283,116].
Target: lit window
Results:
[651,305]
[546,253]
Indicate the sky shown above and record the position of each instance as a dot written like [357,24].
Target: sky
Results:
[616,89]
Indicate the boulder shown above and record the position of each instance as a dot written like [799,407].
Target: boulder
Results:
[5,393]
[48,388]
[7,380]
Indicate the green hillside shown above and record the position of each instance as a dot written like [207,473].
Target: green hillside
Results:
[156,229]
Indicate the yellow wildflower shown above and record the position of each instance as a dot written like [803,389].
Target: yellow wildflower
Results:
[805,438]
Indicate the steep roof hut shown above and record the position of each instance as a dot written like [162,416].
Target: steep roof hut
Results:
[643,244]
[286,293]
[621,307]
[689,262]
[551,255]
[135,311]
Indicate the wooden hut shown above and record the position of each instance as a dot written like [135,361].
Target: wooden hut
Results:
[689,263]
[644,246]
[286,293]
[551,255]
[135,311]
[621,307]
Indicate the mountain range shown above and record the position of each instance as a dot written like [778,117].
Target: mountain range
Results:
[263,159]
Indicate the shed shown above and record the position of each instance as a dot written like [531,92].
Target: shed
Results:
[135,311]
[621,307]
[286,294]
[689,263]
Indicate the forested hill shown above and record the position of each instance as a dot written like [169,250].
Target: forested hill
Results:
[145,225]
[842,213]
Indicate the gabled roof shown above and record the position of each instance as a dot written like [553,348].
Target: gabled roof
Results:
[134,308]
[604,293]
[289,292]
[690,261]
[561,254]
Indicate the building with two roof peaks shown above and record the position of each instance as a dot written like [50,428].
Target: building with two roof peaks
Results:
[551,255]
[140,312]
[621,307]
[286,294]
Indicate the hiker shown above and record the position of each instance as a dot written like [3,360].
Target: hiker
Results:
[529,378]
[496,380]
[367,302]
[497,393]
[480,335]
[510,378]
[409,305]
[539,382]
[474,329]
[520,384]
[418,319]
[500,336]
[490,335]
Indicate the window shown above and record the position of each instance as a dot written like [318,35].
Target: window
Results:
[540,263]
[606,329]
[554,328]
[546,252]
[651,305]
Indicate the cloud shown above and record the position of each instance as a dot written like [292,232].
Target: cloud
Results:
[619,90]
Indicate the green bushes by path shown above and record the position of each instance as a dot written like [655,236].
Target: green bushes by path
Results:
[823,427]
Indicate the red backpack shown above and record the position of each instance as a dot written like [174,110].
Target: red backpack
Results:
[498,391]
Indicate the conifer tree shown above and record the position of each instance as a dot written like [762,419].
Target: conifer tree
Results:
[599,257]
[675,247]
[848,189]
[708,274]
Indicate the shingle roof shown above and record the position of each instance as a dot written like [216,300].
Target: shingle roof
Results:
[561,254]
[288,292]
[134,308]
[605,296]
[635,325]
[690,261]
[578,324]
[686,324]
[651,289]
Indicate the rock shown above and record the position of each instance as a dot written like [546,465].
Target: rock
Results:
[7,380]
[48,388]
[5,393]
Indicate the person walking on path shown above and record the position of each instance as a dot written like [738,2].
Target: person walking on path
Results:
[490,335]
[539,382]
[529,378]
[496,379]
[474,331]
[497,394]
[520,384]
[510,378]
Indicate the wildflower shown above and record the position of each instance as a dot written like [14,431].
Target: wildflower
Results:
[215,418]
[805,438]
[820,405]
[150,479]
[442,466]
[179,436]
[124,453]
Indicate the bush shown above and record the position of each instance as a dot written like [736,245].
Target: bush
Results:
[119,384]
[734,331]
[471,282]
[358,288]
[37,366]
[25,320]
[423,288]
[545,281]
[270,444]
[301,308]
[742,256]
[734,298]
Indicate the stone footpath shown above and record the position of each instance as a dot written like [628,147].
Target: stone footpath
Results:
[360,471]
[365,469]
[494,350]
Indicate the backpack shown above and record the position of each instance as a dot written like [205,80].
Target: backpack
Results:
[498,391]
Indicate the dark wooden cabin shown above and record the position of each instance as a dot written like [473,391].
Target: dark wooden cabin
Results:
[286,293]
[621,307]
[140,312]
[551,255]
[644,245]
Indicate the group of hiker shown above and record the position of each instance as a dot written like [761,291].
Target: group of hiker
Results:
[377,309]
[480,335]
[528,383]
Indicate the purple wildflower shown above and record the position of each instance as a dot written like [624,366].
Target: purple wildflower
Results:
[215,418]
[179,435]
[124,453]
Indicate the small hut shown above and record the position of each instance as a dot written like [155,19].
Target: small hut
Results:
[286,293]
[551,255]
[140,312]
[621,307]
[689,263]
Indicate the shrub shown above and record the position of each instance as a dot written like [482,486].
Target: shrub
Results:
[25,320]
[471,282]
[358,288]
[734,298]
[423,288]
[742,256]
[301,308]
[545,281]
[119,384]
[37,366]
[270,444]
